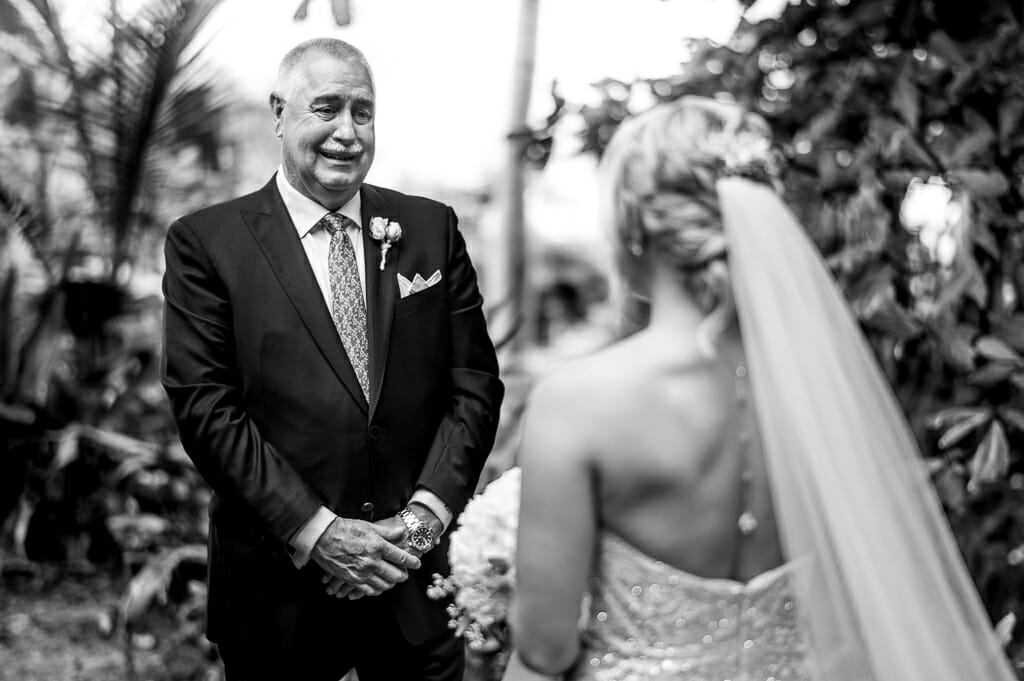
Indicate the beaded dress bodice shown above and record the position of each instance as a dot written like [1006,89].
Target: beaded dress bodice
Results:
[650,621]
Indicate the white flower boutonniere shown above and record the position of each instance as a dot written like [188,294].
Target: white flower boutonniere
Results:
[388,233]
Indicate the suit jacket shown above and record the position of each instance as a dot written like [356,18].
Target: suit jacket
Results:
[270,410]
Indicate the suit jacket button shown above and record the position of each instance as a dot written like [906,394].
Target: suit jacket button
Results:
[374,432]
[367,507]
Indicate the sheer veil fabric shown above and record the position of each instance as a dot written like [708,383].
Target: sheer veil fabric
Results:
[882,588]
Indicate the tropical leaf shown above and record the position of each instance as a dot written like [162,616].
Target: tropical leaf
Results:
[995,349]
[955,415]
[964,282]
[1005,627]
[983,236]
[949,483]
[10,18]
[67,448]
[1014,418]
[1011,111]
[150,586]
[16,414]
[342,12]
[1009,328]
[915,153]
[986,184]
[821,126]
[1018,380]
[906,98]
[955,345]
[302,11]
[889,317]
[339,8]
[992,374]
[963,428]
[992,458]
[973,146]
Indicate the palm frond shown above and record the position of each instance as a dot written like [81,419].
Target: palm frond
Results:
[154,46]
[21,215]
[77,103]
[127,103]
[14,23]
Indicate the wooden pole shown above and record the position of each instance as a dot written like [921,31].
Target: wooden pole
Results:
[512,315]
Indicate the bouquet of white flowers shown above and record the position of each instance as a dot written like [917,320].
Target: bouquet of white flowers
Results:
[482,557]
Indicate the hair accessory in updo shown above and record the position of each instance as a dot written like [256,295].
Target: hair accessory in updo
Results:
[741,153]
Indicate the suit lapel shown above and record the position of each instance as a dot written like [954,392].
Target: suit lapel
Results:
[380,287]
[272,227]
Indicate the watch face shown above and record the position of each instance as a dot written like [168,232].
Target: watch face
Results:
[421,537]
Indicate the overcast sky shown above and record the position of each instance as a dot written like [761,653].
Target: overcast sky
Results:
[444,67]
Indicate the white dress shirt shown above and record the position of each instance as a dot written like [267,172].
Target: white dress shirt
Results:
[306,214]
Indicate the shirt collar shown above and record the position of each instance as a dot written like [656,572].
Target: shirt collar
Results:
[306,213]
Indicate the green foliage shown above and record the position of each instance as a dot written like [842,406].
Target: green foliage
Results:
[99,141]
[119,115]
[870,100]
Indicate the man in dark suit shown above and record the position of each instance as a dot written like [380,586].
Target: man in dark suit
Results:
[332,378]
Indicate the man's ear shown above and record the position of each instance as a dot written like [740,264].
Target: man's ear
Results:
[277,109]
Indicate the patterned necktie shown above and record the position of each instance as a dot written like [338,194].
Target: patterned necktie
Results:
[347,307]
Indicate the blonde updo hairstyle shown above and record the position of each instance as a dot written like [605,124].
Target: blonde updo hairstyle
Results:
[660,172]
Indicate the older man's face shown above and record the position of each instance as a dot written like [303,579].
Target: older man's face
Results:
[326,129]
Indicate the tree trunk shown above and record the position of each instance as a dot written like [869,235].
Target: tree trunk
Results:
[512,314]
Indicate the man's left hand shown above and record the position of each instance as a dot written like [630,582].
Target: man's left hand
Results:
[390,527]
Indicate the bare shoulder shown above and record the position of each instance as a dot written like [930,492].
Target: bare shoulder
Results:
[600,401]
[581,388]
[560,411]
[579,405]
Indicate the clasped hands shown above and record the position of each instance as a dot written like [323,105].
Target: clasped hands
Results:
[365,559]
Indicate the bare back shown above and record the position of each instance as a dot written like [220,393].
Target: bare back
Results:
[667,456]
[641,441]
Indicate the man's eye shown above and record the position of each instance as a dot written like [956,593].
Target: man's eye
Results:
[325,111]
[361,116]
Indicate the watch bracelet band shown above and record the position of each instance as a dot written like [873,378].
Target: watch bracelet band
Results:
[413,523]
[410,519]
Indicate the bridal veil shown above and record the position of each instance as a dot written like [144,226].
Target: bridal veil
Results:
[884,591]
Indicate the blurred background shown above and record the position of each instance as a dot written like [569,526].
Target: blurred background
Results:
[900,121]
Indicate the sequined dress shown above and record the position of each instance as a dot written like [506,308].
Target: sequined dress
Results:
[650,621]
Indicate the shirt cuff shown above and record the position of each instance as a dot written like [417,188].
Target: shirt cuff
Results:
[303,541]
[434,503]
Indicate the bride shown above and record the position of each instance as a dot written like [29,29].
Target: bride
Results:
[734,486]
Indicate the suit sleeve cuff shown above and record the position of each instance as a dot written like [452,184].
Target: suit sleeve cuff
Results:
[436,506]
[306,537]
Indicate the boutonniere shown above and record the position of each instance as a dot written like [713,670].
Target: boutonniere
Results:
[388,233]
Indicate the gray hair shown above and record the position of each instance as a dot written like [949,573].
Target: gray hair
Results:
[331,47]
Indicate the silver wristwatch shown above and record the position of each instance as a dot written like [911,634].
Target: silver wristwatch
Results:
[421,536]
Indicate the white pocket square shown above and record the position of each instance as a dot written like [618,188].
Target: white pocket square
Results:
[407,288]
